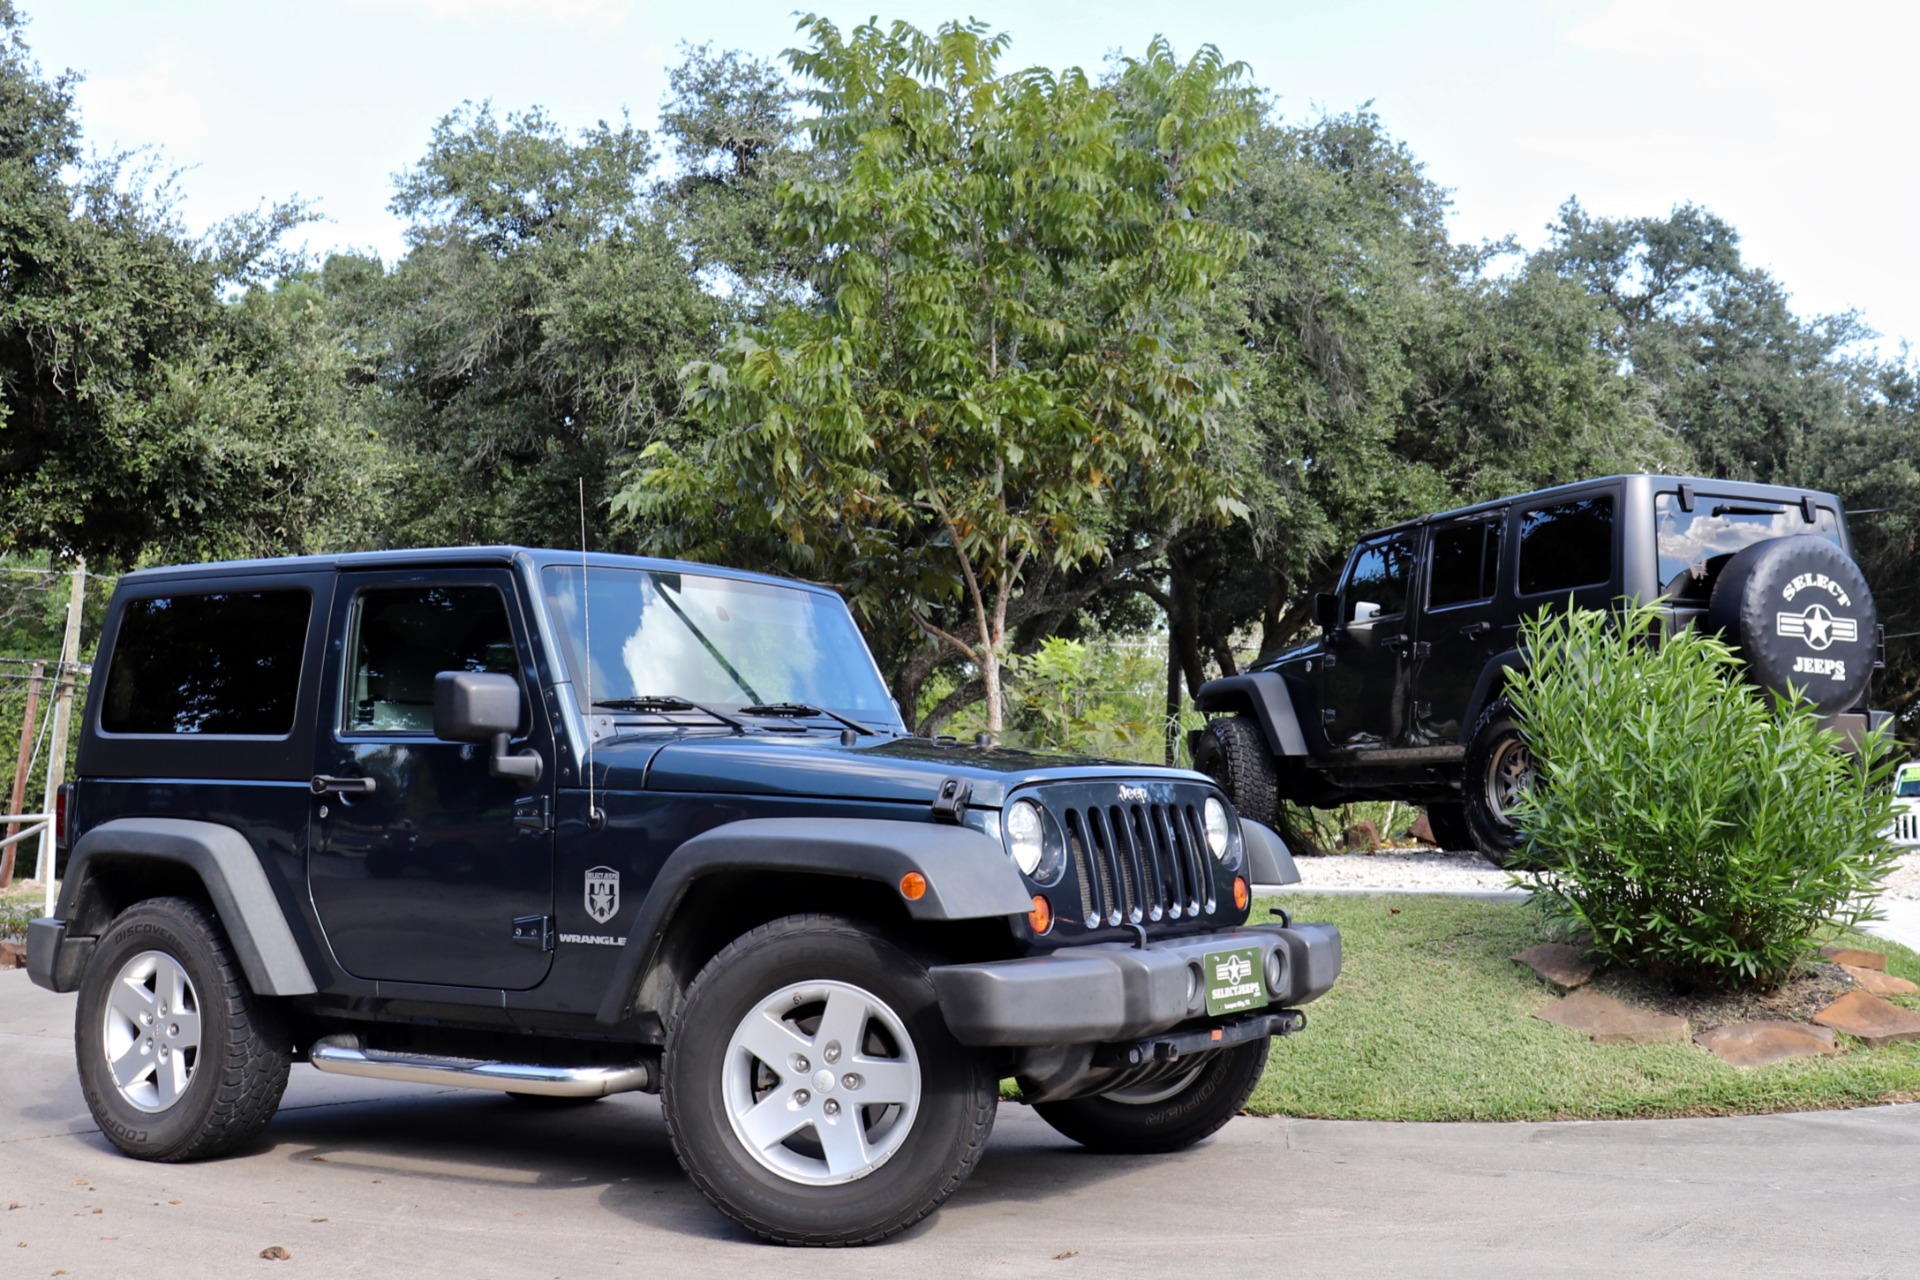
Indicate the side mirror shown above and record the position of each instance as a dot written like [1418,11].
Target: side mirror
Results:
[1326,610]
[477,706]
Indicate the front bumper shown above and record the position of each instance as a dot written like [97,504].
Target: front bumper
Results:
[1111,991]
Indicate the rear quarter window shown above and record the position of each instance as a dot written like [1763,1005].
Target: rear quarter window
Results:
[1566,545]
[222,663]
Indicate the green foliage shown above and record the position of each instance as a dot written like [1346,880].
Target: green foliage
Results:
[1001,270]
[1698,827]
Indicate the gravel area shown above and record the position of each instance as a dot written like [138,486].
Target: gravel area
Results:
[1432,871]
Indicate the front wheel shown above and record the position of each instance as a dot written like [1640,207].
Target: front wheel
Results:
[178,1059]
[1499,770]
[813,1091]
[1233,752]
[1168,1114]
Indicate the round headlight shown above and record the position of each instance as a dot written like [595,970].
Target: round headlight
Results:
[1219,832]
[1026,836]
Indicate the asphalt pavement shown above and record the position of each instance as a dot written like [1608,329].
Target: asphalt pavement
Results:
[363,1178]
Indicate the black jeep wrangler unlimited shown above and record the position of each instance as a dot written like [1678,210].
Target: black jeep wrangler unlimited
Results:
[1401,696]
[563,826]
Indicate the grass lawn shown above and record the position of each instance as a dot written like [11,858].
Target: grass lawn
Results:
[1430,1021]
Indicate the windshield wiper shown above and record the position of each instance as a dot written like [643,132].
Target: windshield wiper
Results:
[663,702]
[799,709]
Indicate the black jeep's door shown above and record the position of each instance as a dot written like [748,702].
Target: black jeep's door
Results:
[1364,682]
[421,878]
[1458,630]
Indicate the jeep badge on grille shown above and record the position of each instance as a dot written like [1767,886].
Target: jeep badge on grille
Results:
[1133,795]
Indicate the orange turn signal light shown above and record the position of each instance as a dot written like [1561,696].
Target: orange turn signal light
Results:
[1241,897]
[913,886]
[1040,919]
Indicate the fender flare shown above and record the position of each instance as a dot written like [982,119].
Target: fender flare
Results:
[1265,694]
[969,876]
[228,866]
[1493,679]
[1269,862]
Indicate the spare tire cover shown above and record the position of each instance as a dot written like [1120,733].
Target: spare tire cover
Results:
[1800,613]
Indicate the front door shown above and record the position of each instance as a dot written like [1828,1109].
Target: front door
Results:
[421,878]
[1364,688]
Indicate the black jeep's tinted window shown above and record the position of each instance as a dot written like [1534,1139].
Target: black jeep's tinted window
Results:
[405,636]
[226,663]
[1379,576]
[1567,545]
[1466,564]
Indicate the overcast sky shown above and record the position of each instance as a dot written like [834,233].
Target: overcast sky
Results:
[1794,121]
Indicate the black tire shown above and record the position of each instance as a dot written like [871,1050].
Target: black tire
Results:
[1800,612]
[1170,1116]
[1447,819]
[1234,753]
[1498,761]
[908,1157]
[199,1085]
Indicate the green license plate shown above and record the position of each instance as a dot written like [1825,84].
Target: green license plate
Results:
[1234,981]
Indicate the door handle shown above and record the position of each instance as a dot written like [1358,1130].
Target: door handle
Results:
[1474,630]
[324,785]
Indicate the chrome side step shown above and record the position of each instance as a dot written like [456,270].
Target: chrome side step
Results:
[343,1056]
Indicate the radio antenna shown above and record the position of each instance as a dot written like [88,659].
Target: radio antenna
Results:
[595,819]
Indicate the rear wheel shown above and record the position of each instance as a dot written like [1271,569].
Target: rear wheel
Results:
[1233,752]
[178,1058]
[1499,770]
[1168,1114]
[813,1091]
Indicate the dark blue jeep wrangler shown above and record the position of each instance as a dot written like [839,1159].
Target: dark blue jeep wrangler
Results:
[564,826]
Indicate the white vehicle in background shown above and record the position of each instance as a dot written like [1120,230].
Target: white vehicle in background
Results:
[1905,830]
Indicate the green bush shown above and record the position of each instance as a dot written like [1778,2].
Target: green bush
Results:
[1700,828]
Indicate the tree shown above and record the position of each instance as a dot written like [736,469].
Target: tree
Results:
[990,363]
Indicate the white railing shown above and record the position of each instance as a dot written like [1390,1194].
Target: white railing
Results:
[38,822]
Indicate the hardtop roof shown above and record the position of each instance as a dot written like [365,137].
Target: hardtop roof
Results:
[450,557]
[1729,488]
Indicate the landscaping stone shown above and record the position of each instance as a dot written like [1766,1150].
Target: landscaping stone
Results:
[1564,966]
[1609,1021]
[1874,1020]
[1362,835]
[1878,983]
[13,955]
[1755,1044]
[1422,830]
[1854,956]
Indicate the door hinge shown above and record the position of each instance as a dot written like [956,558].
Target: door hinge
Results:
[1328,715]
[534,931]
[1327,661]
[1422,710]
[1421,648]
[533,813]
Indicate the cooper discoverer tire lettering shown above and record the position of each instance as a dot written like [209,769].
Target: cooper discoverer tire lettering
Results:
[1168,1115]
[812,1089]
[178,1059]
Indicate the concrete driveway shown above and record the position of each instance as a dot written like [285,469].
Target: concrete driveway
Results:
[358,1178]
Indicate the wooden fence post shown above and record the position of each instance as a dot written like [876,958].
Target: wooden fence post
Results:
[19,796]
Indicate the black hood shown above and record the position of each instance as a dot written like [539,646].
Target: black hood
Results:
[902,770]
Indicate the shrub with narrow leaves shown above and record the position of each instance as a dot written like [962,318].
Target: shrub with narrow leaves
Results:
[1699,827]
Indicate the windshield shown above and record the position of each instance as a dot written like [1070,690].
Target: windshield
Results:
[1691,540]
[1907,783]
[712,640]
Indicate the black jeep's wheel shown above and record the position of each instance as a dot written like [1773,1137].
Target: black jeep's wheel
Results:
[1233,752]
[1168,1115]
[1499,769]
[1447,819]
[813,1091]
[178,1059]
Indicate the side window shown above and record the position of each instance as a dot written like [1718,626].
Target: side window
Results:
[402,637]
[1377,579]
[1465,564]
[225,663]
[1567,545]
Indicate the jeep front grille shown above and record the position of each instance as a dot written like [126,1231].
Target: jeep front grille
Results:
[1906,829]
[1138,862]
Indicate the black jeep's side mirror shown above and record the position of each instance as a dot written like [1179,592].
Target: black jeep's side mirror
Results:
[478,706]
[1326,609]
